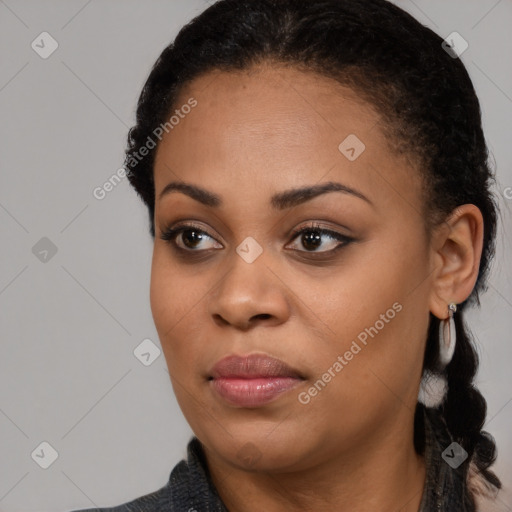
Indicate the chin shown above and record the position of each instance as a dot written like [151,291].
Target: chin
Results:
[258,450]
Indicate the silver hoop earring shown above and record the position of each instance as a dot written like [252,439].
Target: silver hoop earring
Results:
[447,336]
[433,386]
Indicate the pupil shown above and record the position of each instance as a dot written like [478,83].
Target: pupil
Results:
[191,238]
[311,239]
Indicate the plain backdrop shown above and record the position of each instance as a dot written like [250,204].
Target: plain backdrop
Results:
[74,273]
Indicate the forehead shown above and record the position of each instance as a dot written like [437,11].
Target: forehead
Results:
[279,125]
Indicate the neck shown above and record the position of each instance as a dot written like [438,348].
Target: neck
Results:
[384,474]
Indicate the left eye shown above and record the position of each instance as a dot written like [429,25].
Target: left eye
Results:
[316,239]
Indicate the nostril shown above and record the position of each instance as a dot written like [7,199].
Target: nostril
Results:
[262,316]
[219,320]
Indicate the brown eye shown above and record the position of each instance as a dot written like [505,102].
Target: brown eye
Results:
[190,238]
[319,240]
[311,240]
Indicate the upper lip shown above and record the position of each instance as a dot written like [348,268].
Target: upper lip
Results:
[252,366]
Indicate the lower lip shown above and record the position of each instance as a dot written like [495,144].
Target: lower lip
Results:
[252,392]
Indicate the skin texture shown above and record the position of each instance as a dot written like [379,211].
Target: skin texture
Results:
[254,134]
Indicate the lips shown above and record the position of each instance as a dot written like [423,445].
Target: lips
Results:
[256,365]
[252,381]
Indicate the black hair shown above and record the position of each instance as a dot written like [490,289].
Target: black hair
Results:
[428,108]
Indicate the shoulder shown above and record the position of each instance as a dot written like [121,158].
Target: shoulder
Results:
[487,497]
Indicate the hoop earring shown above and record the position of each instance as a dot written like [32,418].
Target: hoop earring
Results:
[447,336]
[433,386]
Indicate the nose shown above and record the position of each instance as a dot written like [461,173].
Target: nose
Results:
[249,294]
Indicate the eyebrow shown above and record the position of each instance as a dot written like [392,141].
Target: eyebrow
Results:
[280,201]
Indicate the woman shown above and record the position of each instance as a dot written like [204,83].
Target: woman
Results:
[319,195]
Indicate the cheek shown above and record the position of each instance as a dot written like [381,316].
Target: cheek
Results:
[376,317]
[163,297]
[177,296]
[172,293]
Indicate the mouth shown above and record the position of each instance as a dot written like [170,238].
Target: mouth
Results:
[252,381]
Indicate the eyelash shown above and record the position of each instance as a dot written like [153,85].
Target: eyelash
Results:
[170,234]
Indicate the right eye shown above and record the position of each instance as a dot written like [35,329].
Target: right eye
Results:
[189,238]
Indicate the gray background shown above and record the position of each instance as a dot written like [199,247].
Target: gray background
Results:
[68,375]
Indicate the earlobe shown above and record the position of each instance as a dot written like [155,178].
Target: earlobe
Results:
[457,248]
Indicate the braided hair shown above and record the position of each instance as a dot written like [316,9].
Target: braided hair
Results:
[428,108]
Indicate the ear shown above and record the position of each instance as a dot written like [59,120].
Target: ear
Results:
[456,251]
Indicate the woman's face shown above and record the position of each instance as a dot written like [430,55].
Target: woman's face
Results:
[344,305]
